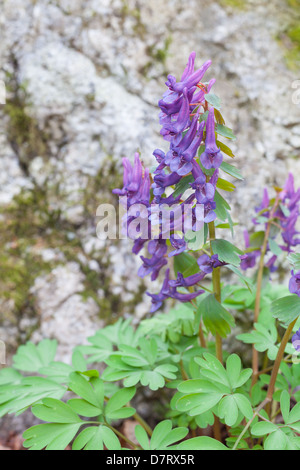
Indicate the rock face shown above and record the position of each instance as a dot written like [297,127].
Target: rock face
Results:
[83,80]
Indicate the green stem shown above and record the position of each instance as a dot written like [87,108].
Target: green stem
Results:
[256,413]
[277,363]
[118,433]
[255,356]
[143,423]
[216,278]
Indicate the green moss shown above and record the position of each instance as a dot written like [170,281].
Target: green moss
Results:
[289,38]
[239,4]
[18,271]
[22,130]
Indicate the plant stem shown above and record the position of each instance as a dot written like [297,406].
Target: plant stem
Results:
[256,413]
[216,278]
[255,356]
[118,433]
[201,336]
[277,363]
[143,423]
[183,372]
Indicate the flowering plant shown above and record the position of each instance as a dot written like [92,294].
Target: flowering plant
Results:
[176,215]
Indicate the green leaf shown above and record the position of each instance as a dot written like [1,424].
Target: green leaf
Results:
[233,367]
[114,408]
[201,443]
[257,239]
[55,411]
[95,437]
[294,259]
[248,283]
[78,361]
[231,170]
[183,185]
[92,391]
[218,116]
[199,403]
[225,185]
[10,376]
[215,317]
[57,371]
[83,408]
[285,405]
[225,149]
[244,405]
[286,309]
[263,338]
[226,251]
[163,436]
[276,441]
[222,206]
[228,410]
[274,247]
[52,436]
[30,358]
[185,264]
[214,100]
[15,398]
[225,132]
[262,428]
[142,437]
[144,369]
[294,415]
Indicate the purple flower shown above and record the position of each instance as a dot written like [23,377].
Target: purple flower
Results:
[212,156]
[208,264]
[172,128]
[209,214]
[162,181]
[190,78]
[182,164]
[157,299]
[205,191]
[179,244]
[168,291]
[296,341]
[249,259]
[188,281]
[151,266]
[136,182]
[264,206]
[294,284]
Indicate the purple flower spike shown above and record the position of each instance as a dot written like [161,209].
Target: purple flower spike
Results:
[190,79]
[212,156]
[294,284]
[136,185]
[172,128]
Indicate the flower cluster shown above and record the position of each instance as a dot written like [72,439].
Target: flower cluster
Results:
[187,123]
[283,213]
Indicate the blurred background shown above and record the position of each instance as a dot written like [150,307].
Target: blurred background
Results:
[83,78]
